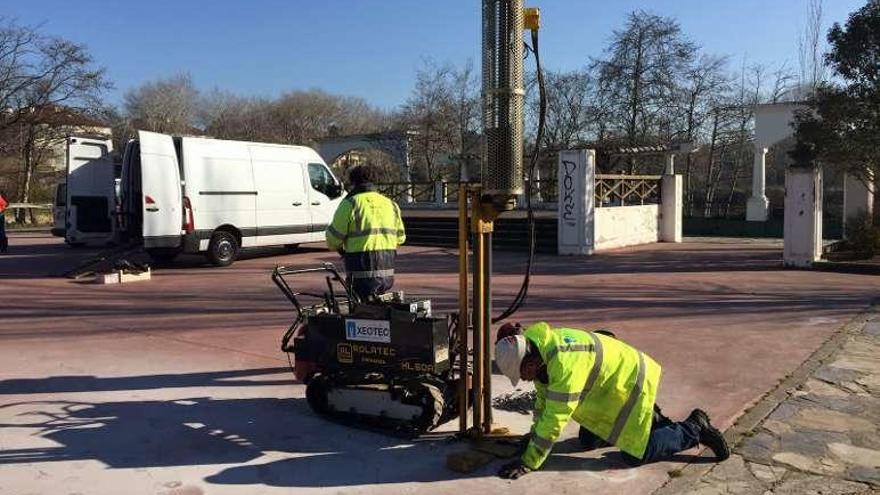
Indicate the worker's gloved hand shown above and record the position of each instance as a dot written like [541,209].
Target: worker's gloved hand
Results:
[513,470]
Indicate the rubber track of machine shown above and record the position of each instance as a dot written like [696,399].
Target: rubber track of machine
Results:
[316,394]
[433,412]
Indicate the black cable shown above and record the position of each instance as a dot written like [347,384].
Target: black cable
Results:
[523,293]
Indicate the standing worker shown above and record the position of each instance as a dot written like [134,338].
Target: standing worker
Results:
[605,385]
[4,241]
[366,231]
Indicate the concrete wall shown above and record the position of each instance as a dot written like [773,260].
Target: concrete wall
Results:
[773,122]
[583,228]
[621,226]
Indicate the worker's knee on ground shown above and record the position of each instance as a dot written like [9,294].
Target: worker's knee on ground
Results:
[589,441]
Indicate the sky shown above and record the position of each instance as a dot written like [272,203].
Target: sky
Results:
[372,48]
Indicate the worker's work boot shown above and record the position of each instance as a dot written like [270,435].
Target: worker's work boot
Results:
[709,435]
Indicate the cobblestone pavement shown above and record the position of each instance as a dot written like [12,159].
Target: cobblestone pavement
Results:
[822,439]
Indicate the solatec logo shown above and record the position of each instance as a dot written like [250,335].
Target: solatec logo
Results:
[368,330]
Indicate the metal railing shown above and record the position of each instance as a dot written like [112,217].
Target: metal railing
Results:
[30,206]
[28,213]
[408,193]
[627,190]
[610,190]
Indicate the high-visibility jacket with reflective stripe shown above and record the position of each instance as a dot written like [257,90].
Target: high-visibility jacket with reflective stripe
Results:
[605,385]
[367,221]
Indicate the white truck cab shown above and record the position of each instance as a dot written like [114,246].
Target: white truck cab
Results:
[211,196]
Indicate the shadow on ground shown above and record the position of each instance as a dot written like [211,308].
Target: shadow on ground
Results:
[27,260]
[204,431]
[86,383]
[191,431]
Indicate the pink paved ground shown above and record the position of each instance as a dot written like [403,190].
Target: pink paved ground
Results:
[177,385]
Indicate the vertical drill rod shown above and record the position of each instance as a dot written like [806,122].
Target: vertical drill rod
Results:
[463,317]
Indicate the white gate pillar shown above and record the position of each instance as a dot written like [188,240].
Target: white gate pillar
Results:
[576,219]
[757,206]
[803,216]
[671,201]
[670,164]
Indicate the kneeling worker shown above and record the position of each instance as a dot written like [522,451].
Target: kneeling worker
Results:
[605,385]
[366,231]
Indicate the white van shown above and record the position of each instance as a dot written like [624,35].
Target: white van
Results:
[202,195]
[85,200]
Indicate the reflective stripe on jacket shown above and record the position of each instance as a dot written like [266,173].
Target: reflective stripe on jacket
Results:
[605,385]
[367,221]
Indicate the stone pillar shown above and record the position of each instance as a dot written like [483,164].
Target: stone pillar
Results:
[439,196]
[671,208]
[670,164]
[858,200]
[757,207]
[576,220]
[803,216]
[407,196]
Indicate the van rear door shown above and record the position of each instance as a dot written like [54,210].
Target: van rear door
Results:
[90,196]
[161,189]
[59,210]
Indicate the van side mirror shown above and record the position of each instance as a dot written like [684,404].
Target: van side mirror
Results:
[334,191]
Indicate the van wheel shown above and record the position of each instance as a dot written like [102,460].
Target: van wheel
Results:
[163,255]
[291,247]
[223,248]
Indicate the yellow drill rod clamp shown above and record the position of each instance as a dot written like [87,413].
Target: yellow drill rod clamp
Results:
[531,18]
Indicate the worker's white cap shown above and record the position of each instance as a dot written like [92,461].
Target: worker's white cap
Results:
[509,353]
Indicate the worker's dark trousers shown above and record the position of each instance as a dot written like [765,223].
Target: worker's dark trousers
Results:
[365,288]
[667,438]
[370,261]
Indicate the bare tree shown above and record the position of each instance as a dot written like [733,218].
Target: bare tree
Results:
[443,111]
[41,77]
[165,105]
[297,117]
[465,107]
[640,74]
[228,116]
[811,47]
[704,85]
[570,115]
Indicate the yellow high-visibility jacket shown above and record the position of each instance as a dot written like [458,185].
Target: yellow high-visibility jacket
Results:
[605,385]
[367,221]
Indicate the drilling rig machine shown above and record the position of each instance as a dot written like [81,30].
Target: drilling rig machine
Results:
[389,363]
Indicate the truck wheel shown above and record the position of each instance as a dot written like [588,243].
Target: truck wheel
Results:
[163,255]
[223,248]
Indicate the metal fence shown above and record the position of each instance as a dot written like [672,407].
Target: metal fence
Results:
[627,190]
[28,213]
[408,193]
[610,190]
